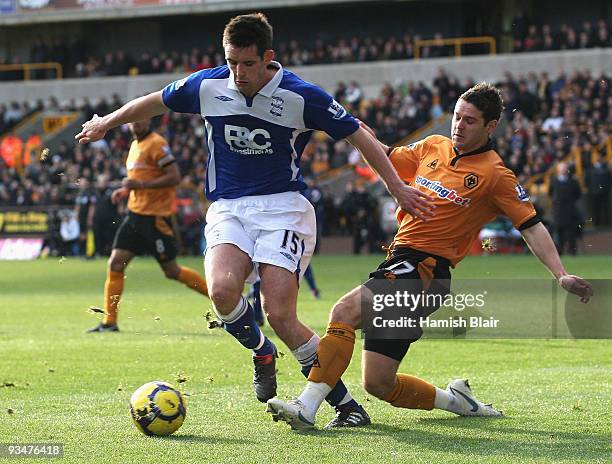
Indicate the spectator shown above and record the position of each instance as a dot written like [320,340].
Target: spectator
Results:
[84,210]
[565,192]
[69,232]
[106,217]
[598,179]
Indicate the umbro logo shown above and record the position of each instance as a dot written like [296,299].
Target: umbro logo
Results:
[288,256]
[433,164]
[224,98]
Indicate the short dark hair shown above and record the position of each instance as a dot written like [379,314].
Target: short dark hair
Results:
[250,29]
[487,98]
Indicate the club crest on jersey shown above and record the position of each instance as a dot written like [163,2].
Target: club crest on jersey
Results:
[521,193]
[442,192]
[471,180]
[337,110]
[277,106]
[248,142]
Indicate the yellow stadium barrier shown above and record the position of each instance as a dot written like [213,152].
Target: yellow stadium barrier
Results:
[456,42]
[27,69]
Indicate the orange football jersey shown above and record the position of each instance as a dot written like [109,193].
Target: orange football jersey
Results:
[469,190]
[146,161]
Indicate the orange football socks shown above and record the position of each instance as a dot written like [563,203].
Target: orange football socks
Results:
[333,354]
[113,288]
[411,392]
[193,280]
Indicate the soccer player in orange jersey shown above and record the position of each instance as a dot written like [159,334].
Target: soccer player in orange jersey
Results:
[150,187]
[471,186]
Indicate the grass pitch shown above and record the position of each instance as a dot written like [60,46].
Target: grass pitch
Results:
[58,384]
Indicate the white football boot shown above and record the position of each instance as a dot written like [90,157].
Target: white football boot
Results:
[466,404]
[292,412]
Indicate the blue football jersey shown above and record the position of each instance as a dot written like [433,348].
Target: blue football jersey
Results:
[255,144]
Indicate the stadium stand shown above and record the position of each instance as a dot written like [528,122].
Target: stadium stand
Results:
[78,59]
[546,118]
[552,111]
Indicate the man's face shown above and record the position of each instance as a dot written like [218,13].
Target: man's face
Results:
[248,67]
[468,129]
[139,128]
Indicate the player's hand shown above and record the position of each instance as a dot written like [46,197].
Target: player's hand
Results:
[119,194]
[93,130]
[577,286]
[414,202]
[131,183]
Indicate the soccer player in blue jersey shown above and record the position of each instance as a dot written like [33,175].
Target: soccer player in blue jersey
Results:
[259,117]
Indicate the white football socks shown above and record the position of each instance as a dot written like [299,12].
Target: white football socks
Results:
[312,397]
[445,400]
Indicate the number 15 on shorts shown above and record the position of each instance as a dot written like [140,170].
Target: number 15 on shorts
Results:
[293,243]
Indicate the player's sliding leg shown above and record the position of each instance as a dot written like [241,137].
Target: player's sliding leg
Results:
[380,378]
[227,268]
[186,276]
[334,351]
[380,374]
[113,289]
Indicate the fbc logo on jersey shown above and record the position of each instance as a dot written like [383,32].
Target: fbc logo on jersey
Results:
[248,142]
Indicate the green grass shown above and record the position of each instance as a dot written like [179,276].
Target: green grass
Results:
[73,388]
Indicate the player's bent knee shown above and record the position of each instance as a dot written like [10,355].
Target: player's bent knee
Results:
[225,297]
[378,387]
[116,265]
[171,272]
[280,320]
[347,311]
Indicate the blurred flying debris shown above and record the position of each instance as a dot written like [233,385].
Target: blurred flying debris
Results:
[95,309]
[180,377]
[211,319]
[487,245]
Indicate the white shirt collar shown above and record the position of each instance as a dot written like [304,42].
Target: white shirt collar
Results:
[268,89]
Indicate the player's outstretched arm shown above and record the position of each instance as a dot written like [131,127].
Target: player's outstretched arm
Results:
[367,128]
[138,109]
[541,245]
[411,200]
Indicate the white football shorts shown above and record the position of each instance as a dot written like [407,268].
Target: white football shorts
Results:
[278,229]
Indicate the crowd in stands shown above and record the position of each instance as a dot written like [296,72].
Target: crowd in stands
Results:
[545,118]
[530,37]
[79,59]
